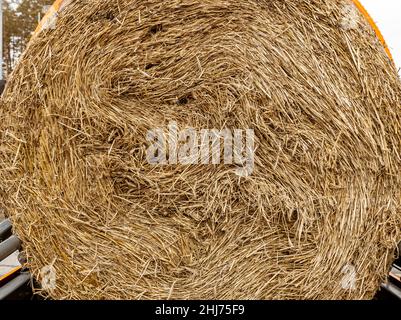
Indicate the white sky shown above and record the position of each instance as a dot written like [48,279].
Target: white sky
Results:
[387,15]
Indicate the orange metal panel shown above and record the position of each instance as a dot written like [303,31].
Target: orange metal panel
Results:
[49,15]
[9,274]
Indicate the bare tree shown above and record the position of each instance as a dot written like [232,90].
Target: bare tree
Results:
[20,20]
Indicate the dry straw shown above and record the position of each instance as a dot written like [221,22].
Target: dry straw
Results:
[320,216]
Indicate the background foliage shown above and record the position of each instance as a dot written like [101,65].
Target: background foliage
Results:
[20,20]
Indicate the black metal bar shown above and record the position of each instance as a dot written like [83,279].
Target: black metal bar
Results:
[14,285]
[393,289]
[5,229]
[9,246]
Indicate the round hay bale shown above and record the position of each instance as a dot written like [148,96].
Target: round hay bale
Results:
[317,218]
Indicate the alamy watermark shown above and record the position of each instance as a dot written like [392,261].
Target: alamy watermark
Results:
[48,278]
[205,146]
[348,281]
[349,17]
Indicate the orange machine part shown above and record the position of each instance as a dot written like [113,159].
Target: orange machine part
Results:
[53,10]
[10,273]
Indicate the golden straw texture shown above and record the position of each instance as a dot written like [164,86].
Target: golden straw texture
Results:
[312,80]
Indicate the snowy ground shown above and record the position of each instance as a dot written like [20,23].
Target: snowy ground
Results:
[9,263]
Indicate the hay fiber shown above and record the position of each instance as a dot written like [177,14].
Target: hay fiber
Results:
[318,218]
